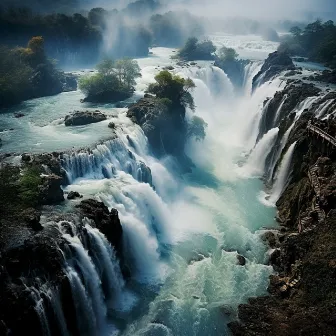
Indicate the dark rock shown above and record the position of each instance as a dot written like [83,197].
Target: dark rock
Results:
[32,218]
[80,118]
[270,237]
[327,76]
[110,96]
[50,192]
[18,115]
[241,260]
[69,82]
[112,125]
[25,157]
[166,135]
[106,221]
[276,63]
[235,69]
[73,195]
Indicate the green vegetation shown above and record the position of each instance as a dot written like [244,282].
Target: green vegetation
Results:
[227,54]
[196,128]
[114,81]
[27,73]
[174,92]
[18,189]
[173,88]
[317,42]
[195,50]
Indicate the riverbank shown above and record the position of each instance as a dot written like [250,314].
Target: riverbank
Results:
[302,293]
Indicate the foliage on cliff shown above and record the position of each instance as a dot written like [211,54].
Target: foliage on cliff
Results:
[317,41]
[114,81]
[174,88]
[162,116]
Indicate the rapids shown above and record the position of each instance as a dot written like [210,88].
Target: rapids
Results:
[182,234]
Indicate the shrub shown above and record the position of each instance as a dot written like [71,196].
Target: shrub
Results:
[196,128]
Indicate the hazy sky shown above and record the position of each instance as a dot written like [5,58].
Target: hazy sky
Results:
[262,8]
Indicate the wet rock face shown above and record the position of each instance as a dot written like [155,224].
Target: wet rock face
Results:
[165,130]
[283,103]
[302,294]
[235,69]
[106,221]
[108,96]
[80,118]
[50,192]
[276,63]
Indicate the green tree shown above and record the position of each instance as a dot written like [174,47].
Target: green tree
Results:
[112,77]
[196,128]
[174,88]
[127,71]
[227,54]
[195,50]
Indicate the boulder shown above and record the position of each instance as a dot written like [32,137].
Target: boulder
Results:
[241,260]
[73,195]
[32,218]
[109,96]
[80,118]
[106,221]
[50,191]
[112,125]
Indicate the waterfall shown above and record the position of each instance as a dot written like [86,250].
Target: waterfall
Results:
[320,112]
[255,165]
[216,80]
[283,173]
[95,277]
[251,70]
[277,114]
[104,161]
[82,263]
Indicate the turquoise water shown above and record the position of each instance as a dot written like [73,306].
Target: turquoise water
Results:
[182,239]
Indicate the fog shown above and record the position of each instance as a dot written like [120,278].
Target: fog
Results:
[260,9]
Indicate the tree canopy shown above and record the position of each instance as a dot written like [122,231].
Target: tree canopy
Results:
[174,88]
[196,50]
[227,54]
[113,77]
[317,41]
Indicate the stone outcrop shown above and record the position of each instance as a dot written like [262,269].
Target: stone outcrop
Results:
[80,118]
[106,221]
[276,63]
[166,132]
[302,293]
[50,191]
[107,96]
[326,76]
[235,69]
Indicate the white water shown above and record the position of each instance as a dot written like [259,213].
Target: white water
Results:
[255,165]
[182,237]
[283,173]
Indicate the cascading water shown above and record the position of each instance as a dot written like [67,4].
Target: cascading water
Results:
[282,175]
[255,165]
[181,235]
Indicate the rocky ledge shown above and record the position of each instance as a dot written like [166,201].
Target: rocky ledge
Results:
[80,118]
[166,130]
[108,96]
[303,289]
[276,63]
